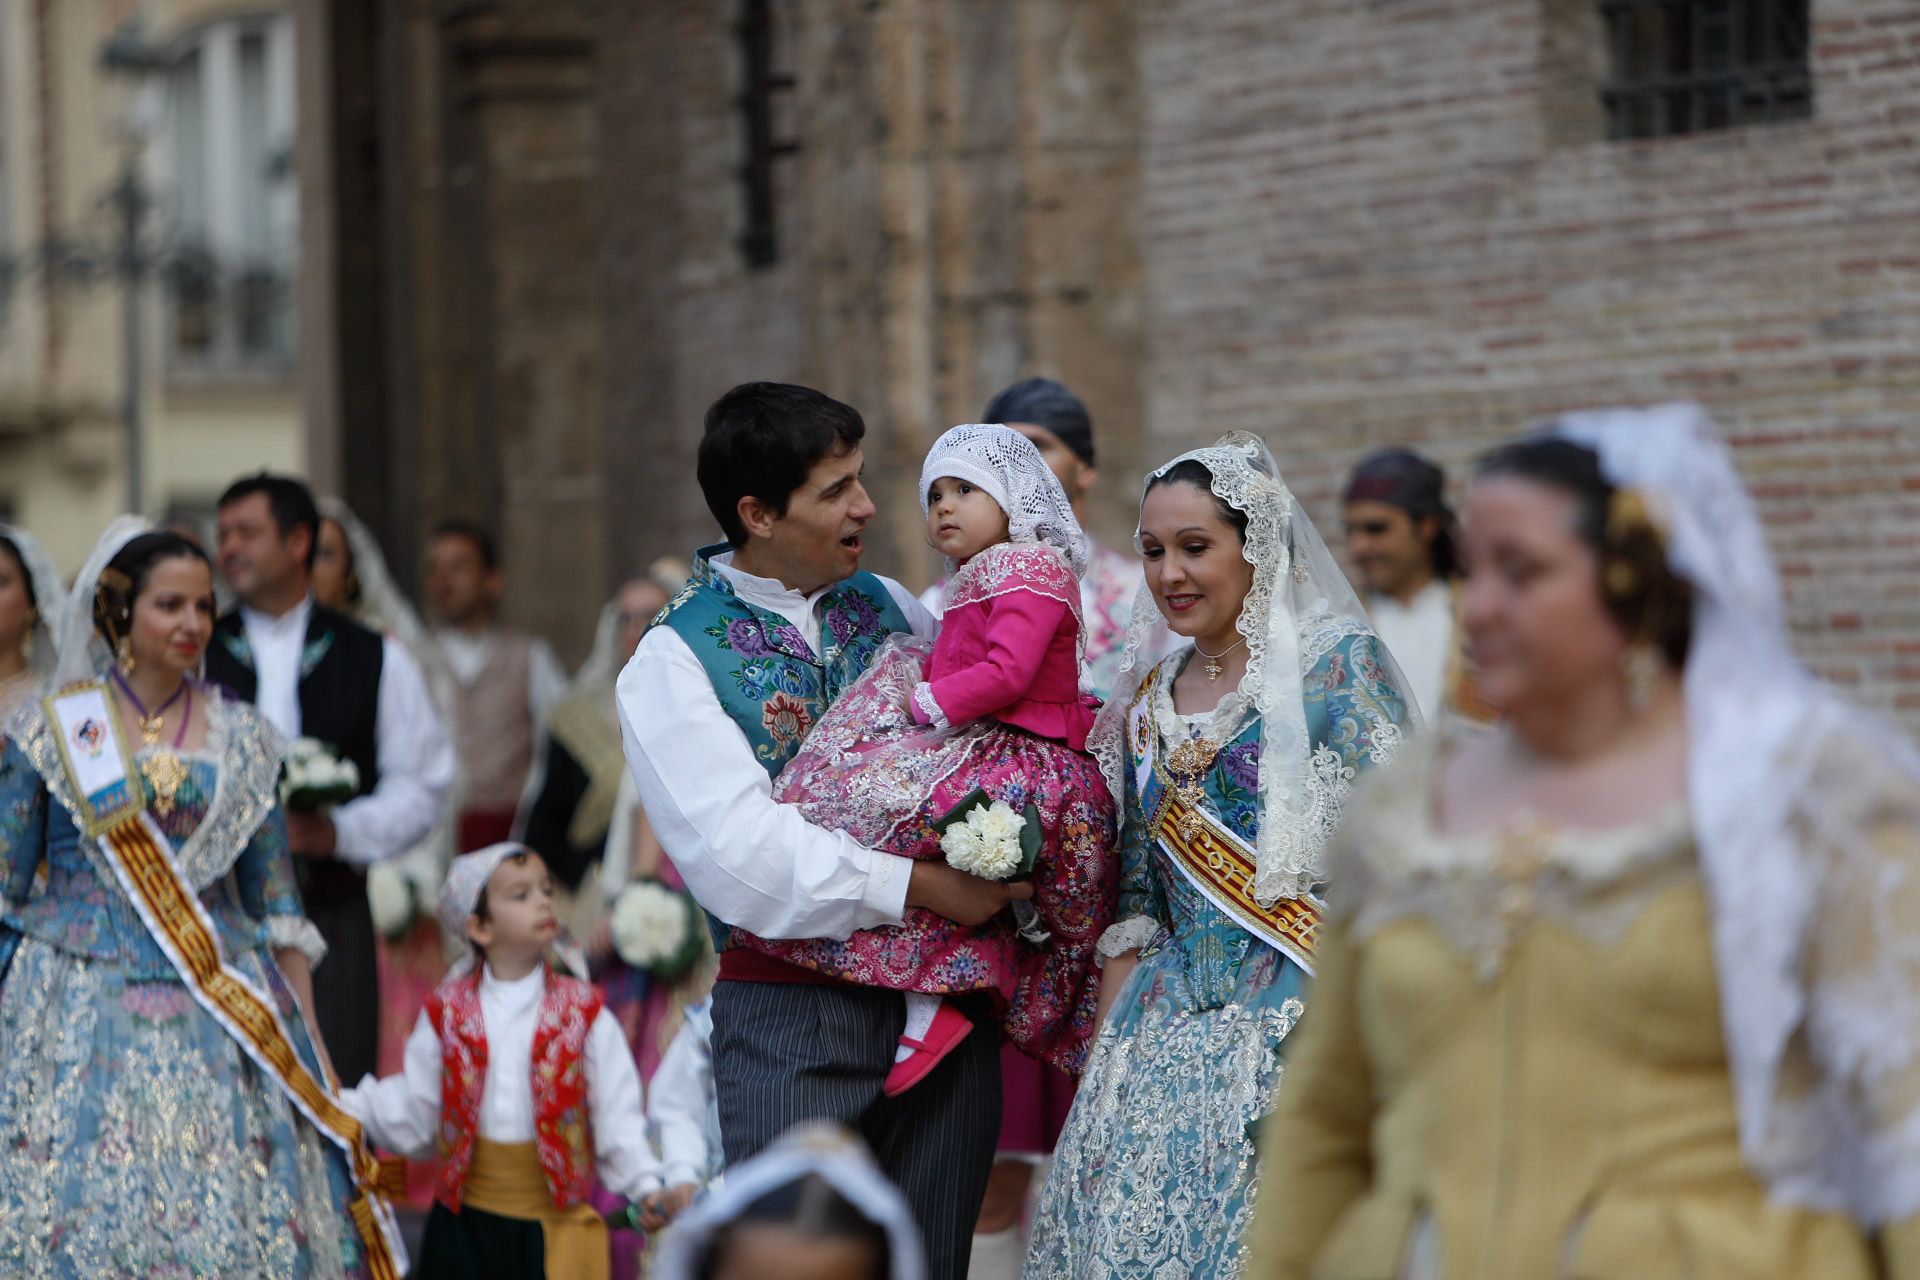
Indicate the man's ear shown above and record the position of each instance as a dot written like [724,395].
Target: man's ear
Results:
[300,543]
[1084,485]
[1427,528]
[756,517]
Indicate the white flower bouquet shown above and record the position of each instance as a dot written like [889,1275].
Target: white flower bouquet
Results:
[394,899]
[657,929]
[313,777]
[984,837]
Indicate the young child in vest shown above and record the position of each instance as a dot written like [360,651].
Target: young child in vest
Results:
[996,708]
[520,1087]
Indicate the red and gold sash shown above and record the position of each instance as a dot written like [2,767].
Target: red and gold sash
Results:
[136,850]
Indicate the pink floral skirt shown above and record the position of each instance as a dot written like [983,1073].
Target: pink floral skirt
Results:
[867,769]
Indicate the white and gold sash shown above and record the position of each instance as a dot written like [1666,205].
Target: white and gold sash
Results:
[99,770]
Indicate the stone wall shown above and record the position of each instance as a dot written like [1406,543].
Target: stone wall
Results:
[1397,222]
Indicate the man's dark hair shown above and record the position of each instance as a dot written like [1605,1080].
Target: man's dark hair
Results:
[1402,478]
[290,501]
[761,440]
[1046,403]
[482,540]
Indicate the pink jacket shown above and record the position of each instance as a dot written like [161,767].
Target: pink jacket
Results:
[1009,647]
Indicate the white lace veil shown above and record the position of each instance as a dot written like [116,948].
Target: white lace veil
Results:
[1806,812]
[83,653]
[1299,608]
[48,601]
[1005,464]
[382,606]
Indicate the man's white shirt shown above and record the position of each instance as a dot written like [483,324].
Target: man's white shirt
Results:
[753,863]
[415,753]
[1419,635]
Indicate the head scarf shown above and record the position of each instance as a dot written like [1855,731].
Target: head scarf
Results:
[815,1147]
[1299,608]
[1042,402]
[1402,478]
[1806,812]
[1004,464]
[382,606]
[48,597]
[460,891]
[83,651]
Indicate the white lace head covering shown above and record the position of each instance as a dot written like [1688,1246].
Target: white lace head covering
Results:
[83,653]
[1299,608]
[382,606]
[48,598]
[812,1148]
[466,879]
[1004,464]
[1806,813]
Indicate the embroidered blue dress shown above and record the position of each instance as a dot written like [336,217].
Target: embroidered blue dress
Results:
[136,1139]
[1155,1174]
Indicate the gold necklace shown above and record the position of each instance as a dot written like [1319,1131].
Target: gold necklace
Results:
[1213,659]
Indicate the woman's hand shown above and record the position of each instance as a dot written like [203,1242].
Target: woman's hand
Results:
[298,972]
[1113,977]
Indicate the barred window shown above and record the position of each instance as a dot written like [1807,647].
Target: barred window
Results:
[1684,66]
[761,87]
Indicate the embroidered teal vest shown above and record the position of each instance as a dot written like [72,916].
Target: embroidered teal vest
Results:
[766,677]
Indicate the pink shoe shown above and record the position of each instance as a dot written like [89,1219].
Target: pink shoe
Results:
[949,1028]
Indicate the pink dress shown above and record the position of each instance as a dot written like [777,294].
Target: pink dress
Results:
[1002,688]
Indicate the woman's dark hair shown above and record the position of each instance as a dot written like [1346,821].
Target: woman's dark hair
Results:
[12,549]
[1649,600]
[813,1207]
[126,576]
[354,593]
[762,438]
[1195,473]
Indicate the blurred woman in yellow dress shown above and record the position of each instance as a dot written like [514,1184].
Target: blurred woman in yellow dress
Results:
[1629,989]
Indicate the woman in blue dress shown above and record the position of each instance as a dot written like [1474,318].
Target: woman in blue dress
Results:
[1232,759]
[137,1135]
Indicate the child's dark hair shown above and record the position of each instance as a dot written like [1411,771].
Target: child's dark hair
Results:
[1194,472]
[1640,589]
[813,1207]
[762,438]
[126,576]
[481,911]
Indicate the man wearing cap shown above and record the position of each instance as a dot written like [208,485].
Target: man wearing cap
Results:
[1401,539]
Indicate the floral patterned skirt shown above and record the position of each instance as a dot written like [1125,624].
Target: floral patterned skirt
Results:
[867,769]
[136,1139]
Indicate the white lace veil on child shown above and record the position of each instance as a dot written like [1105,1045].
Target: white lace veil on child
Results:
[1005,465]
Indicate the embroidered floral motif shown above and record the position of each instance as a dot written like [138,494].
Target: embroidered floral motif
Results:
[787,718]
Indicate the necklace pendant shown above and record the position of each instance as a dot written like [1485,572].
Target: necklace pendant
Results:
[1213,670]
[166,775]
[150,727]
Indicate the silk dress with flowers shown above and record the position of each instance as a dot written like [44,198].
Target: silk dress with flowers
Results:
[1155,1173]
[1005,675]
[136,1138]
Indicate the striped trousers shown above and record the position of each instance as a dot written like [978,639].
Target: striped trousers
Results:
[783,1053]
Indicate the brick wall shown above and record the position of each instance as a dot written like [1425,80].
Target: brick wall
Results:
[1394,221]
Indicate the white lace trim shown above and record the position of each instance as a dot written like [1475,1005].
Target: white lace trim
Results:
[929,706]
[1127,935]
[1010,469]
[299,934]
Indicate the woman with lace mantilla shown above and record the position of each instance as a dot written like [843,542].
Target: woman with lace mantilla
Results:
[1628,988]
[1232,759]
[137,1137]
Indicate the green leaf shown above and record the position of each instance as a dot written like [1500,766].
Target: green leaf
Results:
[1029,841]
[974,799]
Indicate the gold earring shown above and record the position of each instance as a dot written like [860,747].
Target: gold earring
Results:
[124,651]
[1640,669]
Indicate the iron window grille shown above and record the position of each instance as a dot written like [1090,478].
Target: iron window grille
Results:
[1686,66]
[759,243]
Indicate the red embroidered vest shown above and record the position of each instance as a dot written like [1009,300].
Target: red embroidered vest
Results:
[562,1129]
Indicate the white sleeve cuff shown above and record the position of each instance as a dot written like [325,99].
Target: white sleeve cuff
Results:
[923,699]
[296,933]
[884,900]
[1127,935]
[676,1174]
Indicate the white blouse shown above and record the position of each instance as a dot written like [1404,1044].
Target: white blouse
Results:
[402,1112]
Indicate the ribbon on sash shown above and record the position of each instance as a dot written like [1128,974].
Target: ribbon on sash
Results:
[98,767]
[1218,863]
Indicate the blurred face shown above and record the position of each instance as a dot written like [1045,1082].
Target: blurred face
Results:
[639,601]
[520,917]
[819,539]
[1392,551]
[1074,475]
[766,1251]
[173,616]
[460,587]
[1194,565]
[1536,625]
[258,562]
[962,520]
[333,567]
[17,614]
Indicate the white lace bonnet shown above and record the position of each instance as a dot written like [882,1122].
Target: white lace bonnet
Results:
[1004,464]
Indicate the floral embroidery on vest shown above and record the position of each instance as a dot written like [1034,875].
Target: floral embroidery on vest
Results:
[563,1133]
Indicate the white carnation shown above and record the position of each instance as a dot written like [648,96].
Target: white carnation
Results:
[390,897]
[997,823]
[987,843]
[649,924]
